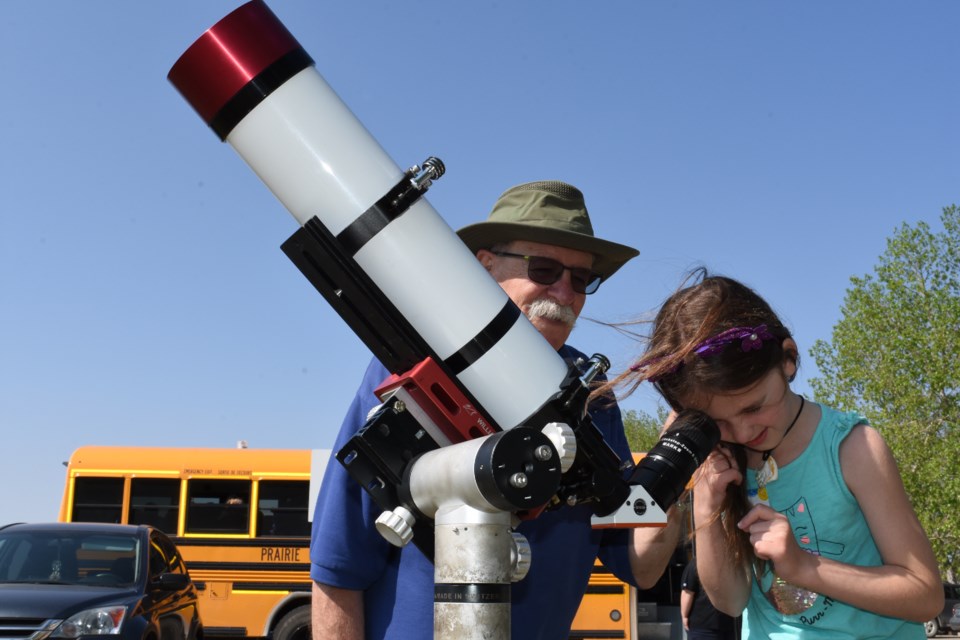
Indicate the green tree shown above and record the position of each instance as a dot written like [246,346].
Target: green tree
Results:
[642,429]
[894,356]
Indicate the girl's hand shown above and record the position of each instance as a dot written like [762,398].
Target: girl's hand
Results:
[718,471]
[772,538]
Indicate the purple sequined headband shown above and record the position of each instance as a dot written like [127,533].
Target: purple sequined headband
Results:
[750,338]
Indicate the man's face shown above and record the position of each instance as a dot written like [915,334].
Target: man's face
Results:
[551,308]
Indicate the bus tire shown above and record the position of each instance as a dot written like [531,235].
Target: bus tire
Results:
[294,625]
[170,630]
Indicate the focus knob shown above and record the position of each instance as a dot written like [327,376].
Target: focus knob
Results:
[564,441]
[396,526]
[519,557]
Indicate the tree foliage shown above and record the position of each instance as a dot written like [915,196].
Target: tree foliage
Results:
[894,356]
[642,429]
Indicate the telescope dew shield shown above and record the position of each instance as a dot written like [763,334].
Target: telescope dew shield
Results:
[255,86]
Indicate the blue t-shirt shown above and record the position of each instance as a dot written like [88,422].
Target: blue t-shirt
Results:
[827,521]
[346,551]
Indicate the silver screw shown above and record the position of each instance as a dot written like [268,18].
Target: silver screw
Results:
[544,452]
[518,480]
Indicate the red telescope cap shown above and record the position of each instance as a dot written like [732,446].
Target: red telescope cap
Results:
[237,63]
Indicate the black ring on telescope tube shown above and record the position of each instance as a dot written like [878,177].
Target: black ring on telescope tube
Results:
[388,208]
[257,90]
[489,336]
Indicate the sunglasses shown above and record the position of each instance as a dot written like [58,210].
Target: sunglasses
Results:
[547,271]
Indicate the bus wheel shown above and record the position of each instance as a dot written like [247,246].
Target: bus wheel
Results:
[295,625]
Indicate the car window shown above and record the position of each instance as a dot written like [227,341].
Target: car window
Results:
[164,556]
[68,557]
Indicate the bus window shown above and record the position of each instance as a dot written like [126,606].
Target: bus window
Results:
[97,500]
[283,508]
[155,501]
[218,506]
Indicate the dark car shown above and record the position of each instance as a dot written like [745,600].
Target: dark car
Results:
[67,580]
[954,621]
[943,623]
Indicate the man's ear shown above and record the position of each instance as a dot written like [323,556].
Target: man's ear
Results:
[791,359]
[486,259]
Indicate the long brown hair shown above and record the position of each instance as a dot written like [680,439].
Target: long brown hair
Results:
[704,307]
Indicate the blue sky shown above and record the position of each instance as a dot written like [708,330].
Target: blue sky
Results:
[144,297]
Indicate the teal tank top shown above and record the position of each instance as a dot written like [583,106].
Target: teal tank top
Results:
[827,521]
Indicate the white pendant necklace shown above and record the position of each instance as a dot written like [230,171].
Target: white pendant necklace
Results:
[769,471]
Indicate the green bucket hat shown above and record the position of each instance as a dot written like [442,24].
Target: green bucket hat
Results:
[550,212]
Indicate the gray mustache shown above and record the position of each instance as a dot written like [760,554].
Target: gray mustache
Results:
[545,308]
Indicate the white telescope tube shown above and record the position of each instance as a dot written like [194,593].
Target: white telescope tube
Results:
[253,83]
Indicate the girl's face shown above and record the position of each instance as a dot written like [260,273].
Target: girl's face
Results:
[756,416]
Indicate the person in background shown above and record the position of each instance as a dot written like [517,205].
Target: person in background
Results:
[538,243]
[701,620]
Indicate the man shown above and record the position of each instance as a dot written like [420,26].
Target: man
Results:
[538,244]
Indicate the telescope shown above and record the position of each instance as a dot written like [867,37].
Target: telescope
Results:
[481,421]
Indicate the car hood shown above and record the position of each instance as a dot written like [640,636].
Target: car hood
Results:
[56,600]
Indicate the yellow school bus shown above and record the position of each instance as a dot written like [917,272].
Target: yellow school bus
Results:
[241,519]
[608,608]
[238,516]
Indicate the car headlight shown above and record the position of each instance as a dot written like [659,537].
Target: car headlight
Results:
[102,621]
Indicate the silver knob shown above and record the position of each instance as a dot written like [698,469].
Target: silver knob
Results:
[564,440]
[519,557]
[396,526]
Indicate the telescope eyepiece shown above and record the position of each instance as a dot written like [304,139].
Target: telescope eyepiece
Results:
[667,468]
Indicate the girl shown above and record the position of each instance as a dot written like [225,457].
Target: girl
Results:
[803,524]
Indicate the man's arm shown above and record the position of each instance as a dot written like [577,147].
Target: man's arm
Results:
[651,549]
[339,530]
[337,613]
